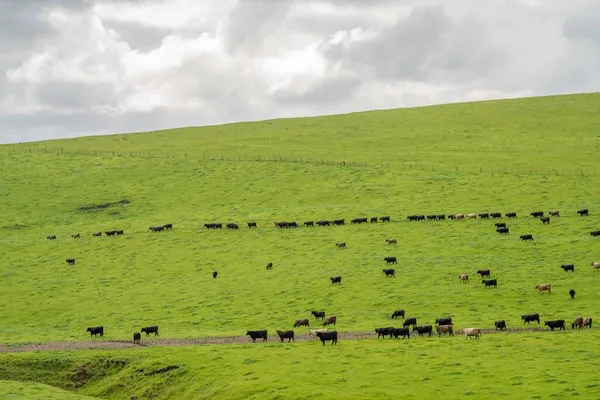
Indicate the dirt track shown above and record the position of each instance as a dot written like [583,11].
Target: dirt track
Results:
[216,340]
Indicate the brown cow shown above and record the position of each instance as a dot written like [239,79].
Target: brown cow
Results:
[554,213]
[301,322]
[464,278]
[330,320]
[544,286]
[587,322]
[443,329]
[578,322]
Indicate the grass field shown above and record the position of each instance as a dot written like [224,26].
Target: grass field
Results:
[164,278]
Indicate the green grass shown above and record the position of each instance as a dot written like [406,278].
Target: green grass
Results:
[14,390]
[165,278]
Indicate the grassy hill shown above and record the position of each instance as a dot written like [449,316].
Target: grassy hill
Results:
[516,155]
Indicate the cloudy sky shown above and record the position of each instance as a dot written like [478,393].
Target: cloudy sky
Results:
[77,67]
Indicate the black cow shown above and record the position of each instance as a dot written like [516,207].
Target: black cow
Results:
[496,215]
[537,214]
[511,215]
[390,260]
[213,226]
[383,332]
[110,233]
[385,219]
[51,237]
[441,217]
[359,220]
[251,225]
[309,223]
[526,237]
[421,330]
[398,313]
[96,330]
[451,216]
[560,324]
[531,317]
[168,226]
[595,233]
[323,223]
[232,225]
[504,230]
[404,332]
[410,321]
[484,215]
[71,261]
[572,293]
[318,314]
[443,321]
[500,325]
[583,212]
[484,272]
[338,221]
[150,329]
[76,236]
[215,273]
[257,335]
[545,220]
[490,282]
[500,224]
[157,228]
[137,337]
[568,267]
[432,217]
[120,232]
[289,335]
[389,272]
[328,336]
[373,220]
[336,279]
[270,265]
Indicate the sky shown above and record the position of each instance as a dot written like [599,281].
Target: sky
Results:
[86,67]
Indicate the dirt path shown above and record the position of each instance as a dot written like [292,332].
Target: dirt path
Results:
[210,340]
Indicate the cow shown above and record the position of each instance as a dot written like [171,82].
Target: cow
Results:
[432,217]
[385,219]
[318,314]
[168,226]
[120,232]
[257,335]
[500,324]
[389,272]
[412,218]
[443,321]
[578,322]
[572,293]
[587,322]
[404,332]
[544,286]
[559,323]
[323,223]
[136,338]
[500,224]
[452,216]
[96,330]
[596,265]
[398,313]
[441,217]
[336,279]
[490,282]
[484,272]
[71,261]
[496,215]
[156,228]
[459,217]
[390,260]
[595,233]
[301,322]
[383,332]
[511,215]
[270,265]
[232,225]
[251,225]
[391,241]
[545,220]
[289,335]
[76,236]
[583,212]
[330,320]
[442,329]
[526,237]
[214,274]
[97,234]
[110,233]
[410,321]
[373,220]
[51,237]
[503,230]
[484,215]
[359,220]
[150,329]
[338,222]
[471,216]
[530,317]
[341,245]
[554,213]
[470,332]
[328,336]
[537,214]
[313,332]
[568,267]
[309,223]
[213,226]
[464,278]
[421,330]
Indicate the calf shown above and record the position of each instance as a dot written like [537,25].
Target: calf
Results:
[137,337]
[421,330]
[328,336]
[503,231]
[484,272]
[572,293]
[464,278]
[257,335]
[318,314]
[51,237]
[537,214]
[531,317]
[583,212]
[301,322]
[560,324]
[443,321]
[341,245]
[289,335]
[96,330]
[511,215]
[71,261]
[410,321]
[543,287]
[404,332]
[150,329]
[398,313]
[214,274]
[470,332]
[330,320]
[76,236]
[490,282]
[390,260]
[578,322]
[545,220]
[500,325]
[389,272]
[336,279]
[391,241]
[568,267]
[442,329]
[383,332]
[526,237]
[251,225]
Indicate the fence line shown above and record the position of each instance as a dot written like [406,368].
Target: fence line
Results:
[499,170]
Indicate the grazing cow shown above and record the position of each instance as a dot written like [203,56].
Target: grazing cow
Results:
[490,282]
[496,215]
[500,224]
[391,241]
[71,261]
[51,237]
[341,245]
[137,337]
[323,223]
[390,260]
[96,330]
[470,332]
[330,320]
[289,335]
[328,336]
[373,220]
[484,272]
[336,279]
[389,272]
[76,236]
[309,223]
[578,322]
[504,230]
[443,321]
[232,225]
[385,219]
[568,267]
[150,329]
[318,314]
[257,335]
[313,332]
[270,265]
[583,212]
[251,225]
[500,324]
[156,228]
[511,215]
[559,323]
[526,237]
[421,330]
[97,234]
[410,321]
[537,214]
[404,332]
[215,273]
[587,322]
[484,215]
[398,313]
[383,332]
[595,233]
[554,213]
[545,220]
[572,293]
[442,329]
[531,317]
[544,286]
[464,278]
[168,226]
[301,322]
